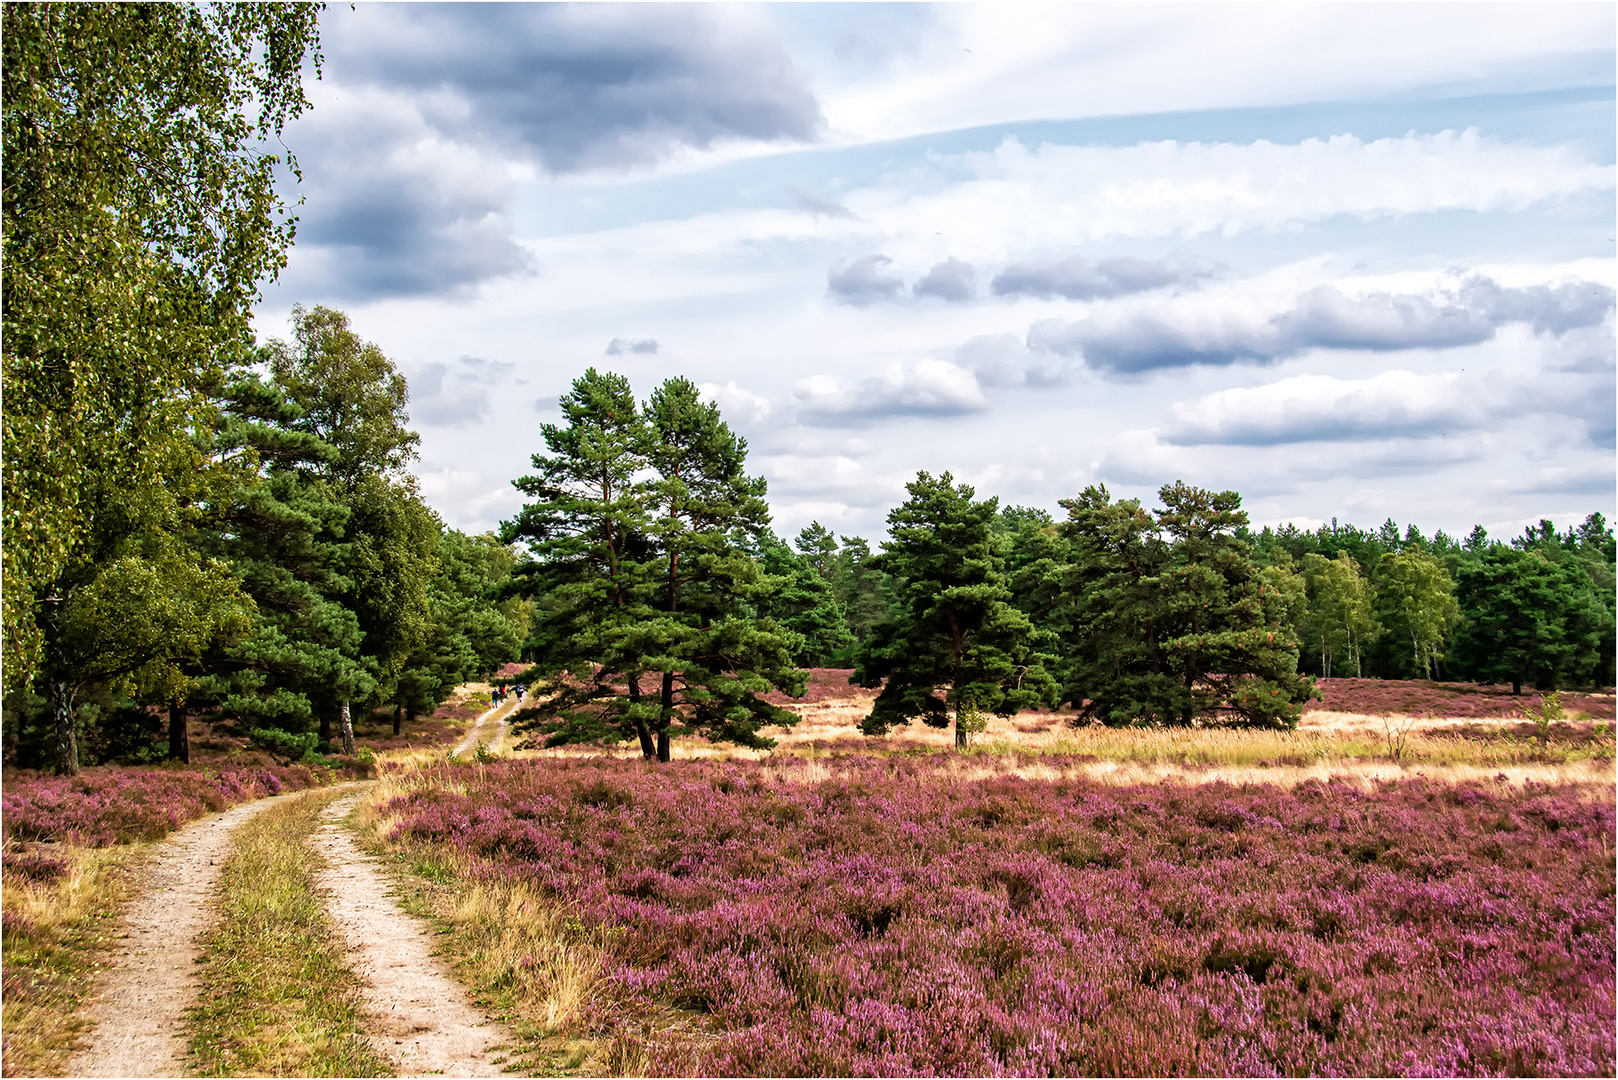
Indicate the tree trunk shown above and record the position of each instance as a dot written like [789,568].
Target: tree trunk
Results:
[398,719]
[325,726]
[67,735]
[179,738]
[1516,688]
[648,748]
[348,729]
[960,732]
[666,699]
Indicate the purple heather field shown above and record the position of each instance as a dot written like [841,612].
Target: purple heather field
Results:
[901,917]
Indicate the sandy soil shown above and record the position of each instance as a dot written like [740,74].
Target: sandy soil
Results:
[420,1017]
[139,1008]
[489,730]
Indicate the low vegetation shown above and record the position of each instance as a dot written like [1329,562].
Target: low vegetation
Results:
[61,906]
[902,916]
[278,998]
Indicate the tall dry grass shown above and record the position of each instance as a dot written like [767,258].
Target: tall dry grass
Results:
[61,905]
[530,959]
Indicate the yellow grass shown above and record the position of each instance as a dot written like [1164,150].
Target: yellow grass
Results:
[526,957]
[55,935]
[278,998]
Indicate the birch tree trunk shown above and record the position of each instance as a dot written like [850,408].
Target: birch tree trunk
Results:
[348,729]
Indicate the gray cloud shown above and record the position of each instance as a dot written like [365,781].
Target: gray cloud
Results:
[863,281]
[951,280]
[1002,360]
[454,395]
[619,346]
[407,156]
[584,86]
[817,207]
[1076,278]
[1139,340]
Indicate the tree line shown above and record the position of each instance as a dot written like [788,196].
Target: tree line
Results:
[664,604]
[195,520]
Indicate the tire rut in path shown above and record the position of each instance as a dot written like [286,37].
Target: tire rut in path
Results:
[420,1016]
[139,1008]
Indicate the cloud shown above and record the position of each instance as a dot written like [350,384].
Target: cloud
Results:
[1315,408]
[585,86]
[951,280]
[735,403]
[817,207]
[618,346]
[926,388]
[862,281]
[1003,360]
[1132,339]
[1076,278]
[393,208]
[454,395]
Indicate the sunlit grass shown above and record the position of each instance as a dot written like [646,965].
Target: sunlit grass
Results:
[55,937]
[523,956]
[278,998]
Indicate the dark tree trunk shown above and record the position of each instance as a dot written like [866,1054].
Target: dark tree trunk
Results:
[1516,687]
[67,734]
[664,750]
[325,727]
[398,719]
[648,748]
[348,729]
[179,737]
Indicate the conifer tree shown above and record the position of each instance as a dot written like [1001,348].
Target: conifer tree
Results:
[955,646]
[1173,623]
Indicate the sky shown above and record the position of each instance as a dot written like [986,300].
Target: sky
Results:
[1352,261]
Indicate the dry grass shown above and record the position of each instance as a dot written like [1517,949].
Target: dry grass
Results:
[277,996]
[526,958]
[54,938]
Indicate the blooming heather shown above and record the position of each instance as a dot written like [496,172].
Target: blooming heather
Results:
[898,919]
[119,806]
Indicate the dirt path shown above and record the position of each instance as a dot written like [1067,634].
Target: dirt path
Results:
[489,730]
[420,1017]
[139,1009]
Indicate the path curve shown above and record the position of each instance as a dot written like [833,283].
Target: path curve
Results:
[139,1008]
[489,730]
[419,1015]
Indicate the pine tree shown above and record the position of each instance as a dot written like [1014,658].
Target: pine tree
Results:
[955,645]
[1173,621]
[1528,619]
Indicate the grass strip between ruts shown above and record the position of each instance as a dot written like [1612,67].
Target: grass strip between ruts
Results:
[278,998]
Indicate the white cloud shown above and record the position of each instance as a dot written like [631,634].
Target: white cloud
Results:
[925,388]
[735,403]
[1309,408]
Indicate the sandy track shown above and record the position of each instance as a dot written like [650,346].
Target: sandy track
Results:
[139,1009]
[420,1017]
[489,730]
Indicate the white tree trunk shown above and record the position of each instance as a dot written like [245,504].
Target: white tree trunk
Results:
[348,729]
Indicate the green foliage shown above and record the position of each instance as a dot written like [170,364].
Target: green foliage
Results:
[802,600]
[1340,620]
[1172,622]
[639,533]
[139,218]
[1529,619]
[284,744]
[1415,601]
[955,644]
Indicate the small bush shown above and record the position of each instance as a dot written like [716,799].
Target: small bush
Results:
[286,744]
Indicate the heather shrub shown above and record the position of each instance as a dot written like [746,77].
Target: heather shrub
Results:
[899,919]
[99,808]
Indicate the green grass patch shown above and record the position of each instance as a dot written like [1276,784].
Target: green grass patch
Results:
[278,998]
